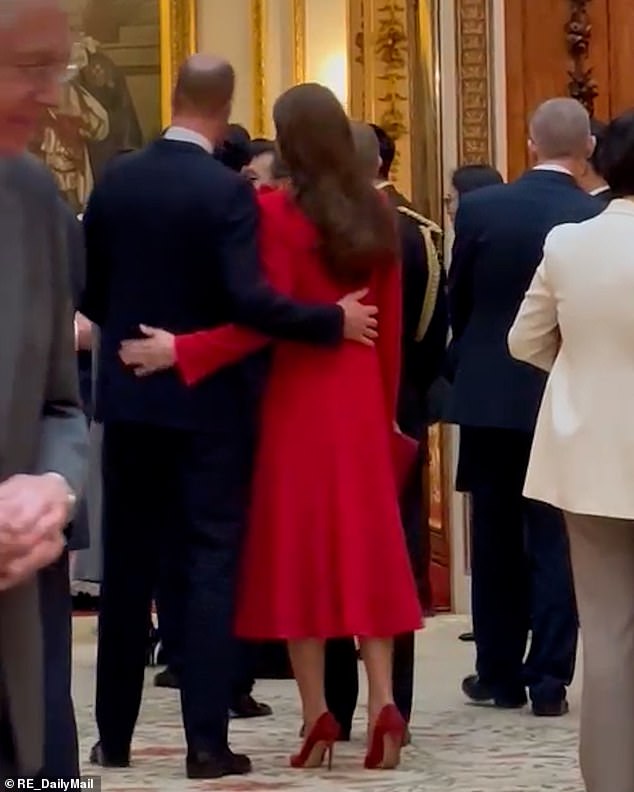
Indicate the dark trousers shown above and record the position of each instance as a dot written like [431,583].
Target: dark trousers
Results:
[167,491]
[169,603]
[61,754]
[521,576]
[342,678]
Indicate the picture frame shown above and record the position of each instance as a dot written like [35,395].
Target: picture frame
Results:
[178,41]
[117,96]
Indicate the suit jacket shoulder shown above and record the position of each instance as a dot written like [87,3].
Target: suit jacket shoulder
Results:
[33,177]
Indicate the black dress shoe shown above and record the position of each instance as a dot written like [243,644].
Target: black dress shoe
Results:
[206,765]
[247,707]
[551,709]
[167,679]
[479,693]
[99,757]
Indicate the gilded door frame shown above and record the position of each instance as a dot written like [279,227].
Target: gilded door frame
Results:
[178,41]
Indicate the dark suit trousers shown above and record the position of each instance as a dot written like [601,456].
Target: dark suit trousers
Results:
[521,576]
[61,754]
[183,493]
[169,609]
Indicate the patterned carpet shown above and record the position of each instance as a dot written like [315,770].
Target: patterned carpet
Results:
[457,747]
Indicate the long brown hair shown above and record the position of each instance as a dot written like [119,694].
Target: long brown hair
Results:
[356,229]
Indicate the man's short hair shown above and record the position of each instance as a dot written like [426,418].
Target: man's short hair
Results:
[366,145]
[598,130]
[617,155]
[259,146]
[387,150]
[468,178]
[560,129]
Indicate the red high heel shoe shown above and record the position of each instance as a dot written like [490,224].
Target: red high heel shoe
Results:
[319,743]
[387,740]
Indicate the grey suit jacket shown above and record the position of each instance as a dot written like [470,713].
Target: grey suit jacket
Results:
[42,427]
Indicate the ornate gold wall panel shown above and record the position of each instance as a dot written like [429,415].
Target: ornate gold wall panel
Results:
[380,64]
[474,82]
[178,41]
[299,41]
[259,24]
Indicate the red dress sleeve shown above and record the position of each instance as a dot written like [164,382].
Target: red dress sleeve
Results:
[203,353]
[389,302]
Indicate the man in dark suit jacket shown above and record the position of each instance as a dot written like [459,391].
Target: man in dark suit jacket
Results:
[172,242]
[424,339]
[520,567]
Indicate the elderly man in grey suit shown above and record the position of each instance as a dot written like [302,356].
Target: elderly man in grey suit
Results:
[42,428]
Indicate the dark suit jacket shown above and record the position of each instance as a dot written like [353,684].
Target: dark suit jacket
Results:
[79,533]
[500,233]
[171,240]
[424,298]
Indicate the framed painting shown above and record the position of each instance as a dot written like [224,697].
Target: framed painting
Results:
[125,56]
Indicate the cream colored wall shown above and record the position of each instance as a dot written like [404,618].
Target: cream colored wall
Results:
[326,45]
[224,28]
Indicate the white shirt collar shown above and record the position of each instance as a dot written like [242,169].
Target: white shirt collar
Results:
[184,135]
[600,190]
[553,167]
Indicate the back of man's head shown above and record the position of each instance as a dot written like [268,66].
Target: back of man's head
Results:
[204,88]
[598,130]
[367,147]
[387,150]
[560,131]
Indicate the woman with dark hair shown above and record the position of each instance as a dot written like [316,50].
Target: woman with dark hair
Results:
[466,179]
[325,554]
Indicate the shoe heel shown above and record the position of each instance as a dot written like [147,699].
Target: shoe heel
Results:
[330,750]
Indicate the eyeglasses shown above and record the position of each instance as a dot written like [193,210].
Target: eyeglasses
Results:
[42,74]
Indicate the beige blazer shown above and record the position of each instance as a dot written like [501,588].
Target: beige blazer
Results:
[577,322]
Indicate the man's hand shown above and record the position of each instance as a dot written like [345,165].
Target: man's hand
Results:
[83,332]
[34,508]
[156,352]
[17,570]
[360,323]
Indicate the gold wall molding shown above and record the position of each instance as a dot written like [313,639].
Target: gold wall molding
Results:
[473,53]
[379,55]
[178,41]
[299,40]
[259,24]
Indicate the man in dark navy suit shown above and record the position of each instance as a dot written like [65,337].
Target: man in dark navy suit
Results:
[521,576]
[172,242]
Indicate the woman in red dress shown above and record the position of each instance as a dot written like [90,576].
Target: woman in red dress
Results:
[325,553]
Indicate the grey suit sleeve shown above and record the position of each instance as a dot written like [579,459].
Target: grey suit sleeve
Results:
[63,445]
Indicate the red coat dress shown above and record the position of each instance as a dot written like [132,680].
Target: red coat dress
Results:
[325,553]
